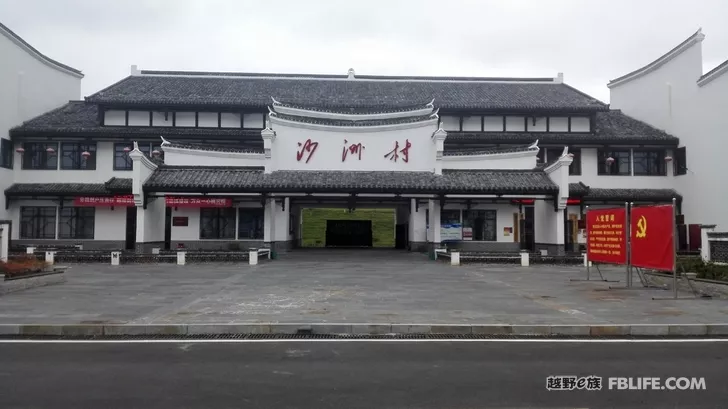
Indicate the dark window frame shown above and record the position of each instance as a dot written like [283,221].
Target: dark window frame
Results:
[254,217]
[649,162]
[145,147]
[217,223]
[616,168]
[575,167]
[35,156]
[489,218]
[680,161]
[7,153]
[77,223]
[71,152]
[38,222]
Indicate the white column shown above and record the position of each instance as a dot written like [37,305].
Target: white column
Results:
[559,228]
[4,241]
[433,234]
[282,219]
[269,219]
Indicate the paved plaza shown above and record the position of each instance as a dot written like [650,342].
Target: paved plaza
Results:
[343,286]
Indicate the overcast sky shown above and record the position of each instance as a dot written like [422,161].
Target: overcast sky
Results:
[590,41]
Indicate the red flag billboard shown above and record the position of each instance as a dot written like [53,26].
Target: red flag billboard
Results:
[606,235]
[653,237]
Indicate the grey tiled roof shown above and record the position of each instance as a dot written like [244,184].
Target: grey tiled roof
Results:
[119,184]
[349,110]
[610,127]
[212,148]
[112,186]
[327,92]
[717,68]
[232,179]
[82,118]
[587,194]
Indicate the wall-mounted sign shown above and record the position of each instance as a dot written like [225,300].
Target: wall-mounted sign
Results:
[507,231]
[467,233]
[353,149]
[180,221]
[197,202]
[122,201]
[451,232]
[393,155]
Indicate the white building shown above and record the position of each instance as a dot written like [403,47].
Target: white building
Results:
[30,84]
[672,93]
[492,164]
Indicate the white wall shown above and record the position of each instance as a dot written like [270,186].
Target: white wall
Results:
[150,221]
[192,230]
[29,87]
[591,178]
[188,157]
[108,224]
[543,221]
[504,217]
[521,160]
[104,169]
[328,154]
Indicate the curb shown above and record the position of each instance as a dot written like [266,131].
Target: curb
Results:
[599,330]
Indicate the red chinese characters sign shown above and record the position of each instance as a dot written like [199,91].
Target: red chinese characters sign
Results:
[395,153]
[197,202]
[122,201]
[653,237]
[353,149]
[606,235]
[306,149]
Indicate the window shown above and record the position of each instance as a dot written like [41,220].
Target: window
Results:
[122,161]
[250,223]
[450,123]
[72,156]
[6,153]
[255,121]
[216,223]
[473,123]
[38,222]
[77,223]
[649,162]
[483,223]
[575,168]
[40,155]
[620,166]
[681,162]
[450,217]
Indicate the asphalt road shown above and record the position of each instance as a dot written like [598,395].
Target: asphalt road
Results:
[351,375]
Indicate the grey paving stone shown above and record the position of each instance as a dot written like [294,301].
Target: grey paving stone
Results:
[570,329]
[125,329]
[688,329]
[451,329]
[531,329]
[411,329]
[649,329]
[491,329]
[373,329]
[9,329]
[717,329]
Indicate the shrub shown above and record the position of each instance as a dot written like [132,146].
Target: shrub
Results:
[705,270]
[22,265]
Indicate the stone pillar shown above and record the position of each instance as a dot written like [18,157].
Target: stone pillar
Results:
[4,241]
[269,227]
[150,225]
[433,232]
[417,227]
[282,224]
[704,243]
[560,248]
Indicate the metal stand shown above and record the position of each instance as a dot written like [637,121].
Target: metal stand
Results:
[684,276]
[643,281]
[588,275]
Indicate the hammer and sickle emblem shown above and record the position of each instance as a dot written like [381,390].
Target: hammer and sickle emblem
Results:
[641,227]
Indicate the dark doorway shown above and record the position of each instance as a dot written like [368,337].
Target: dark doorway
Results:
[400,236]
[131,222]
[569,225]
[348,233]
[167,228]
[696,238]
[528,238]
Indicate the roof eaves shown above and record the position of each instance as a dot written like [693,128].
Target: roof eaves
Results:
[689,42]
[713,74]
[37,54]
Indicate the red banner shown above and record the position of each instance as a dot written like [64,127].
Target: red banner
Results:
[122,201]
[653,237]
[197,202]
[606,235]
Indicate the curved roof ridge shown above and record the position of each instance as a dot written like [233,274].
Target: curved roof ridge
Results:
[37,54]
[714,73]
[697,37]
